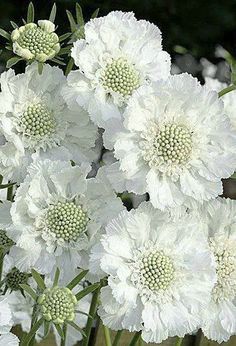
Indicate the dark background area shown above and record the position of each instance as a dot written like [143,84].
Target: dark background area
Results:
[197,25]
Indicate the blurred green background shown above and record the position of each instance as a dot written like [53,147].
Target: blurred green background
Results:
[198,26]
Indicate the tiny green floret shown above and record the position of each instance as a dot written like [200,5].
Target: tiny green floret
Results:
[15,278]
[58,305]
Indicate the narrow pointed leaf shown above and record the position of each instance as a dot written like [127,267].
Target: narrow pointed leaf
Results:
[11,62]
[59,330]
[6,186]
[38,278]
[56,277]
[32,332]
[95,13]
[74,325]
[77,279]
[73,25]
[64,37]
[64,51]
[29,290]
[53,13]
[24,21]
[69,66]
[14,25]
[30,13]
[57,61]
[79,15]
[40,67]
[87,290]
[5,34]
[46,328]
[83,313]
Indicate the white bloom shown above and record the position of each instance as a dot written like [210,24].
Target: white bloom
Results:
[58,214]
[36,42]
[118,55]
[177,144]
[160,273]
[229,99]
[219,318]
[9,340]
[6,321]
[35,121]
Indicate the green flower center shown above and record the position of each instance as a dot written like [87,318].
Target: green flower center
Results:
[66,221]
[5,242]
[156,271]
[37,121]
[225,287]
[58,305]
[36,40]
[15,278]
[121,77]
[172,145]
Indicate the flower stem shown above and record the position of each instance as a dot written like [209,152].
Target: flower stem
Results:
[63,341]
[92,313]
[227,90]
[25,341]
[179,341]
[1,263]
[135,339]
[10,193]
[33,321]
[117,338]
[107,336]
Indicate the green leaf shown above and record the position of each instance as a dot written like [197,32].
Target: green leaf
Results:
[5,34]
[53,13]
[6,186]
[74,325]
[57,61]
[32,332]
[29,290]
[59,330]
[73,25]
[11,62]
[69,66]
[83,313]
[30,13]
[64,36]
[79,15]
[14,25]
[87,290]
[56,277]
[38,278]
[46,328]
[95,13]
[40,67]
[233,176]
[233,71]
[24,21]
[77,279]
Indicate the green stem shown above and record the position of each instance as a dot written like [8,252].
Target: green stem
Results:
[117,338]
[107,336]
[25,341]
[227,90]
[63,341]
[1,263]
[33,321]
[92,313]
[179,341]
[135,339]
[10,193]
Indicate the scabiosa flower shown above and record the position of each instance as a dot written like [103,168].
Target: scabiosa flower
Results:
[118,55]
[174,134]
[36,42]
[5,315]
[228,99]
[9,339]
[160,272]
[219,319]
[35,121]
[58,214]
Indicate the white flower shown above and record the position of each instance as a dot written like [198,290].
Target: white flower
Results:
[35,121]
[9,340]
[177,144]
[58,214]
[219,318]
[36,42]
[160,273]
[118,55]
[229,99]
[6,321]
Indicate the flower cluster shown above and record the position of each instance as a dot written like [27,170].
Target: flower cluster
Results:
[113,175]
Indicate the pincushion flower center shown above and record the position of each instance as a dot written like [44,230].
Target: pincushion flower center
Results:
[66,220]
[156,271]
[120,76]
[15,278]
[37,121]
